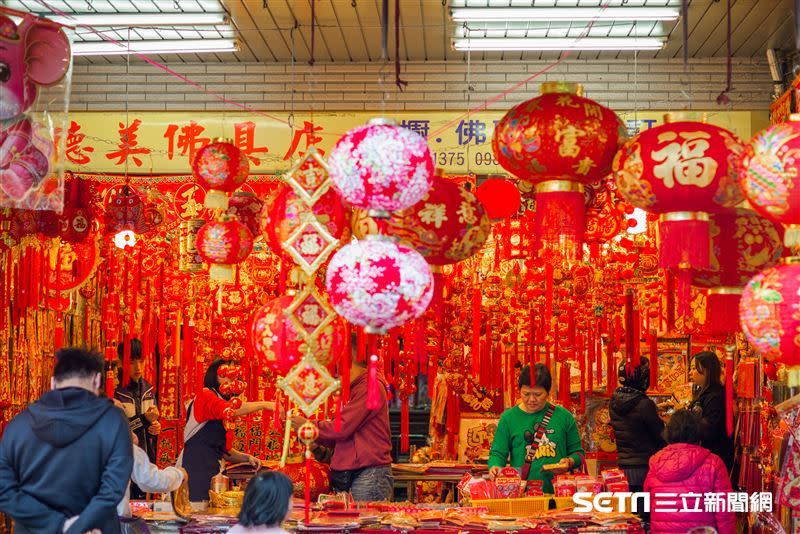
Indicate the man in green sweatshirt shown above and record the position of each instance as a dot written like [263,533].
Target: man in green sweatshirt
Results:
[536,432]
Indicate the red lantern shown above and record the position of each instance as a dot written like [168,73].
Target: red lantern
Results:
[221,168]
[448,225]
[742,245]
[770,179]
[682,171]
[246,207]
[560,142]
[282,216]
[224,243]
[500,197]
[769,317]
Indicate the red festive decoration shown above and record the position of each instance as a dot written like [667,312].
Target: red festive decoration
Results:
[221,168]
[124,209]
[448,225]
[295,469]
[682,171]
[560,142]
[742,244]
[500,197]
[770,179]
[224,243]
[769,315]
[246,207]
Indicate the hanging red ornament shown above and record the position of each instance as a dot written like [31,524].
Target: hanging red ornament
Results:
[124,209]
[500,197]
[381,166]
[769,176]
[221,168]
[224,243]
[769,318]
[447,226]
[682,171]
[559,141]
[246,207]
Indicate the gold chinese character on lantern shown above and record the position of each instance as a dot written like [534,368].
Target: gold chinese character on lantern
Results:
[683,160]
[566,101]
[568,141]
[593,110]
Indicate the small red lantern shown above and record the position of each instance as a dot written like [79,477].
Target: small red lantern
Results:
[448,225]
[246,207]
[770,176]
[560,142]
[224,243]
[742,244]
[769,317]
[500,197]
[682,171]
[221,168]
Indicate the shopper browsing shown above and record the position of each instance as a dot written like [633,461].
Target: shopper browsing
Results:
[149,478]
[535,433]
[684,467]
[66,460]
[267,502]
[709,405]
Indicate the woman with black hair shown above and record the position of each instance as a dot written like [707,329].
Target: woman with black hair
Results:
[267,502]
[637,426]
[709,405]
[206,442]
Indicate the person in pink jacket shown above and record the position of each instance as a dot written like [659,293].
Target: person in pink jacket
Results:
[685,469]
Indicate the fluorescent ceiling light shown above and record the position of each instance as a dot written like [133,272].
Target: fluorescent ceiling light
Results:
[554,43]
[176,46]
[552,14]
[141,19]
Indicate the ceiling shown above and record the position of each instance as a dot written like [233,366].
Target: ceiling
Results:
[350,30]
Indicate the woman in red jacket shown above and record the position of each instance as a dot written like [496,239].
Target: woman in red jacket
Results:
[685,471]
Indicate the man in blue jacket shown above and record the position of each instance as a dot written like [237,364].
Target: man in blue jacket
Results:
[66,460]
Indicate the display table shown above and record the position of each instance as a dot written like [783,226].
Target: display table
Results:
[448,473]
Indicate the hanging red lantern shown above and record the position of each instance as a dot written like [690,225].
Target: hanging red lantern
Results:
[221,168]
[381,166]
[246,207]
[448,225]
[282,216]
[770,179]
[742,245]
[224,243]
[379,284]
[769,318]
[560,142]
[500,197]
[682,171]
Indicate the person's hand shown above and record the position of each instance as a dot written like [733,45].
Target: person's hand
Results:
[152,414]
[118,404]
[666,405]
[298,421]
[154,428]
[255,462]
[494,471]
[68,523]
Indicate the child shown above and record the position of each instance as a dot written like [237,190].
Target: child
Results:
[684,467]
[267,502]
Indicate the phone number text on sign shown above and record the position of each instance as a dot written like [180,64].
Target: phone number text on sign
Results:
[459,158]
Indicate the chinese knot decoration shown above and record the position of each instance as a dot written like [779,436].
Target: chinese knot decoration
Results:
[742,244]
[769,177]
[224,243]
[221,168]
[560,142]
[379,284]
[381,166]
[770,319]
[448,225]
[682,171]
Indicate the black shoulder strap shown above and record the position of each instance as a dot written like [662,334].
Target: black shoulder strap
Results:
[537,439]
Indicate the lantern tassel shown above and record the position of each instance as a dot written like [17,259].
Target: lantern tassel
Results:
[476,331]
[729,363]
[404,425]
[653,359]
[337,420]
[373,384]
[722,311]
[684,239]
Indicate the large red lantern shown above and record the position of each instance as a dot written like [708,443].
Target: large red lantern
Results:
[221,168]
[381,166]
[559,141]
[682,171]
[770,318]
[224,243]
[770,176]
[448,225]
[379,284]
[500,197]
[247,207]
[742,245]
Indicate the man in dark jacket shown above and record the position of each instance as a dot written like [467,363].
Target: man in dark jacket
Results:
[66,460]
[637,426]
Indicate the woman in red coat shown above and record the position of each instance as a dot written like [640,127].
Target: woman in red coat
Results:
[685,469]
